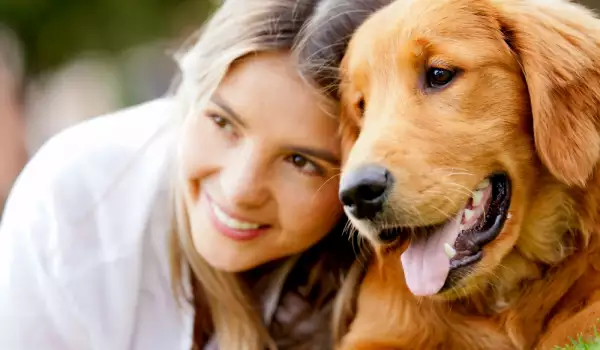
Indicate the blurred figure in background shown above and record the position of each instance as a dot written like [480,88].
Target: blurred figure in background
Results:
[94,84]
[13,153]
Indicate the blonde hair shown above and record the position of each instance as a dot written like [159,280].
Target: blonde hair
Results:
[238,28]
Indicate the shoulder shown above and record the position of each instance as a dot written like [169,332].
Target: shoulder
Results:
[93,181]
[82,226]
[107,137]
[102,144]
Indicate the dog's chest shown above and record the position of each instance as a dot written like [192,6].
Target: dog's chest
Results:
[430,325]
[470,332]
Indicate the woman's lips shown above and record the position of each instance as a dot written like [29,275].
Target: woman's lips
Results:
[231,227]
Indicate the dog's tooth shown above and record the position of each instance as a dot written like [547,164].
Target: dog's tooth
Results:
[468,214]
[509,215]
[483,184]
[477,197]
[450,252]
[461,228]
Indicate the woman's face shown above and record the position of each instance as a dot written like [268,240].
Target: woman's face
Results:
[260,165]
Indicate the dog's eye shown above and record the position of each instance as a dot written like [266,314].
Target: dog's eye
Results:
[439,77]
[361,105]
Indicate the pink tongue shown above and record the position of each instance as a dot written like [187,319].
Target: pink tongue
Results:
[425,262]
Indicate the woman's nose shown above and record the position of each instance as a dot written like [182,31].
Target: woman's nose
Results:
[244,180]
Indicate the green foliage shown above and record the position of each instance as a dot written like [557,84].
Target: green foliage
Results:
[593,343]
[53,31]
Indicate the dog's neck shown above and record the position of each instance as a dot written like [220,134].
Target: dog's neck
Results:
[589,208]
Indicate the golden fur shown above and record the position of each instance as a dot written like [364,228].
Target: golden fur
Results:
[527,102]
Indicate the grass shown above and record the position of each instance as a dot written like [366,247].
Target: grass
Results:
[583,344]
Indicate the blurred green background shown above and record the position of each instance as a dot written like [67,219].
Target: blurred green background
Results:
[53,31]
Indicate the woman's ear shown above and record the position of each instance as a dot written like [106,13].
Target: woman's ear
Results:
[558,46]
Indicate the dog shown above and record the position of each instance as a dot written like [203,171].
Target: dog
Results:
[472,140]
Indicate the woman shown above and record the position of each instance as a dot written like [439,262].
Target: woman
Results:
[118,222]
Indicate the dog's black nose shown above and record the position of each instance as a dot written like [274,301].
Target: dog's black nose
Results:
[363,190]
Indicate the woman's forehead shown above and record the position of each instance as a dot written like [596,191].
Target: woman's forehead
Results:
[266,91]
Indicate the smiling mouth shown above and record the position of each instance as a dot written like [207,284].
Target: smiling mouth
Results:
[229,221]
[233,223]
[441,255]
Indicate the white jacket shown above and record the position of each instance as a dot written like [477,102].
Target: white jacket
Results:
[83,251]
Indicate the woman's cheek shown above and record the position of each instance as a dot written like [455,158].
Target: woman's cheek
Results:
[200,146]
[320,209]
[327,200]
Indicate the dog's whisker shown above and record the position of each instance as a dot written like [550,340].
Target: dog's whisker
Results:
[324,184]
[446,215]
[449,168]
[463,187]
[348,228]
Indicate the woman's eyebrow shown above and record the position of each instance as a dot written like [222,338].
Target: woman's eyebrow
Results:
[219,101]
[317,153]
[313,152]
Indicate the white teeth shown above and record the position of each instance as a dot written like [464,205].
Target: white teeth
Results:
[477,197]
[483,184]
[468,214]
[461,228]
[509,215]
[231,222]
[450,252]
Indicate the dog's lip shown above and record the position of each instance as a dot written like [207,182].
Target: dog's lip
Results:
[466,260]
[457,270]
[496,216]
[473,249]
[396,232]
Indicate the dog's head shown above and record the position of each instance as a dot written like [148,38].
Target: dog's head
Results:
[470,121]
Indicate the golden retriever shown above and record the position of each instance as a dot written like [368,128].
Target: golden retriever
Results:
[473,172]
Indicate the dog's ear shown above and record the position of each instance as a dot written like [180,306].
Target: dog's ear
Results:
[558,46]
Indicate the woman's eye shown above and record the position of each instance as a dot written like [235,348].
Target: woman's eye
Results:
[221,122]
[304,164]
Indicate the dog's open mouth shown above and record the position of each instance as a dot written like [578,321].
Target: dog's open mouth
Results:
[436,260]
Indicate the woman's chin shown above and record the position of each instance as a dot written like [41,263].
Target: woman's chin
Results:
[225,254]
